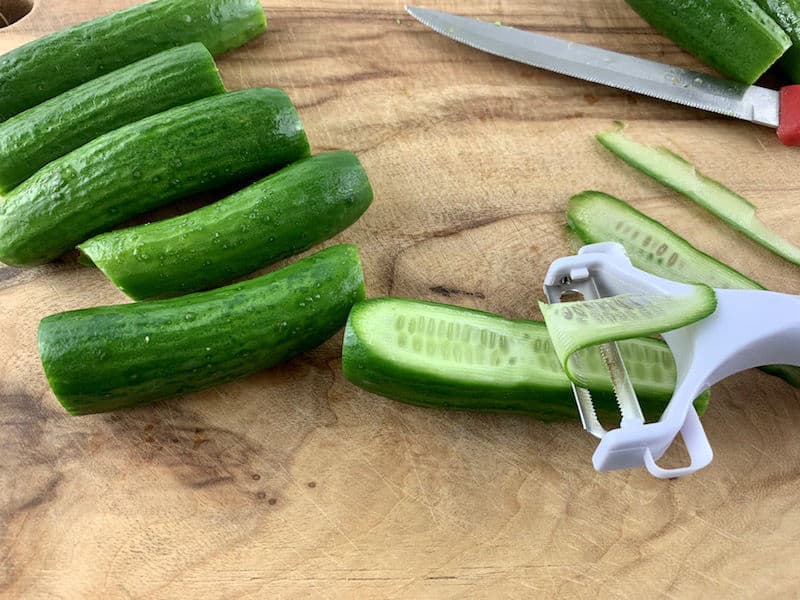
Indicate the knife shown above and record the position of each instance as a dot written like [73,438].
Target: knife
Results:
[753,103]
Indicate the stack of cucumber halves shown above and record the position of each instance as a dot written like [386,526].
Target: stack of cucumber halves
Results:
[115,117]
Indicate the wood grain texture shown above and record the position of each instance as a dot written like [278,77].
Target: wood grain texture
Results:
[293,483]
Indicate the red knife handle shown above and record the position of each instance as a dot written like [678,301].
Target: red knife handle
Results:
[789,120]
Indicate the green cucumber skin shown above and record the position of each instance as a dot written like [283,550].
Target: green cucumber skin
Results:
[112,357]
[786,13]
[50,130]
[546,396]
[51,65]
[735,37]
[790,63]
[650,245]
[282,215]
[139,167]
[637,232]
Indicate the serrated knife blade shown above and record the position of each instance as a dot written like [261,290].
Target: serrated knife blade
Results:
[690,88]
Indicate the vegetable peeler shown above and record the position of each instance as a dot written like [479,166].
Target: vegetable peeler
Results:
[749,328]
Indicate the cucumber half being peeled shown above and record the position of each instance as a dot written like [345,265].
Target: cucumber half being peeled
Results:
[597,217]
[575,326]
[444,356]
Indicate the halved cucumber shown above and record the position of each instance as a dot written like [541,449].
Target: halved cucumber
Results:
[597,217]
[683,177]
[49,66]
[112,357]
[735,37]
[786,13]
[445,356]
[279,216]
[50,130]
[147,164]
[574,326]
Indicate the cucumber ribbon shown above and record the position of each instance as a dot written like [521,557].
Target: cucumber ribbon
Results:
[577,326]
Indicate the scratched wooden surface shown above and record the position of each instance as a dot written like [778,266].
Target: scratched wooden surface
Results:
[293,483]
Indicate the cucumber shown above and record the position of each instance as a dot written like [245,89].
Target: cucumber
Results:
[677,173]
[192,148]
[46,132]
[49,66]
[112,357]
[574,326]
[786,13]
[444,356]
[597,217]
[281,215]
[735,37]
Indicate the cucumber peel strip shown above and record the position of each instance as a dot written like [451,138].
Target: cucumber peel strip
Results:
[677,173]
[576,326]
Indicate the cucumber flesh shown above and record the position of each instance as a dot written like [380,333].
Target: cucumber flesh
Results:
[444,356]
[597,217]
[574,326]
[142,166]
[112,357]
[50,130]
[680,175]
[49,66]
[735,37]
[786,13]
[282,215]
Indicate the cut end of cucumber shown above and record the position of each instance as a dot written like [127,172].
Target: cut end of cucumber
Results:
[84,257]
[92,253]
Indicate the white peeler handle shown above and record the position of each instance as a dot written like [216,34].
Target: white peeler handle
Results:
[700,452]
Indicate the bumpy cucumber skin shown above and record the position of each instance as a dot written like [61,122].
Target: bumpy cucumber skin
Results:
[50,130]
[786,13]
[650,246]
[279,216]
[694,266]
[51,65]
[113,357]
[192,148]
[735,37]
[546,398]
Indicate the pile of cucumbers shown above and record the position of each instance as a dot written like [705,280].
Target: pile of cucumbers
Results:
[738,38]
[118,116]
[115,117]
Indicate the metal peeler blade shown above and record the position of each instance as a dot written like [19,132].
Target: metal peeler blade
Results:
[583,283]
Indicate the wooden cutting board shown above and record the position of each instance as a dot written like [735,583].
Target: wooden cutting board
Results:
[294,483]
